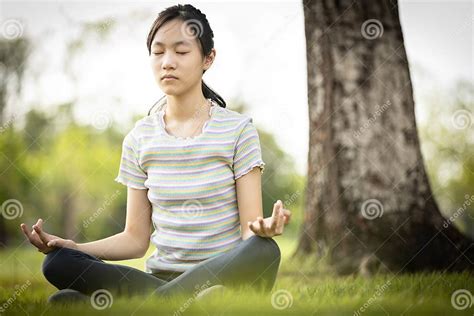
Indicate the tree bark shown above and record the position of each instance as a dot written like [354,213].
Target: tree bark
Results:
[369,203]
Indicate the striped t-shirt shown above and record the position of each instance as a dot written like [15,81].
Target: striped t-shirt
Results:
[191,184]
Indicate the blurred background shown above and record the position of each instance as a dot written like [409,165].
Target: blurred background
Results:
[74,77]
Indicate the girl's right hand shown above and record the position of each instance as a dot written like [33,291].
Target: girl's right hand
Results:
[43,241]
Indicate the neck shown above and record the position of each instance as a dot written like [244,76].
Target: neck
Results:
[185,107]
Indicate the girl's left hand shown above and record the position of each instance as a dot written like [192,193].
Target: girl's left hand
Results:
[274,225]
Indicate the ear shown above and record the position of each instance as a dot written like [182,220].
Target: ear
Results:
[209,59]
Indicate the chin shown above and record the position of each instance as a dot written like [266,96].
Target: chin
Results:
[171,90]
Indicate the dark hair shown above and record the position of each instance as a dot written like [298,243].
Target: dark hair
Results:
[197,24]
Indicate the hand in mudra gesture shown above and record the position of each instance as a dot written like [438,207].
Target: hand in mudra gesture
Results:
[43,241]
[273,225]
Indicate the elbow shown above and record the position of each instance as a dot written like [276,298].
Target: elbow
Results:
[140,246]
[142,251]
[145,248]
[140,254]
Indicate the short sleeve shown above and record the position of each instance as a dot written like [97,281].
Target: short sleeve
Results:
[247,152]
[130,172]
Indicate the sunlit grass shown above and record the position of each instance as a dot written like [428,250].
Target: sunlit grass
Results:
[301,288]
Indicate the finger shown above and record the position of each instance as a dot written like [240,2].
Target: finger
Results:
[256,228]
[274,208]
[263,229]
[35,242]
[34,234]
[39,224]
[281,220]
[287,214]
[28,233]
[33,226]
[277,206]
[275,219]
[279,214]
[41,234]
[54,243]
[252,228]
[281,224]
[25,230]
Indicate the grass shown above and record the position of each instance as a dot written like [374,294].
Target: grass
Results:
[302,288]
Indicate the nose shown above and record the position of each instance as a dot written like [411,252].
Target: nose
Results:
[168,61]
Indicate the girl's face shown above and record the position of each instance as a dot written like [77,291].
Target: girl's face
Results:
[175,52]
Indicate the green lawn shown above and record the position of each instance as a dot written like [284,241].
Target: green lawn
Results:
[300,289]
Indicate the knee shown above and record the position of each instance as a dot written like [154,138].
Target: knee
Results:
[54,262]
[275,253]
[268,247]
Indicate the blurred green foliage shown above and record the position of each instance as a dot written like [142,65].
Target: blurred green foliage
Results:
[63,172]
[447,142]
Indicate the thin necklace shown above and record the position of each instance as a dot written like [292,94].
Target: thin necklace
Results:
[200,124]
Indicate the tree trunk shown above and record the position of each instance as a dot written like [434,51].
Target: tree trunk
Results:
[369,204]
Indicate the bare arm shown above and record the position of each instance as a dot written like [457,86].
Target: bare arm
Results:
[120,246]
[133,242]
[249,200]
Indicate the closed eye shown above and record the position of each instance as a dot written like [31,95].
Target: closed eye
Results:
[180,53]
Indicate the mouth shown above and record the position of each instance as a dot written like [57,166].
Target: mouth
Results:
[168,77]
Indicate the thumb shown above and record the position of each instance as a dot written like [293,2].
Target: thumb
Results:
[54,242]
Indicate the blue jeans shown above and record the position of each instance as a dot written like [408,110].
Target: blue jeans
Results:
[255,262]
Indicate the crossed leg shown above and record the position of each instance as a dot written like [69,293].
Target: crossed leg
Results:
[67,268]
[255,261]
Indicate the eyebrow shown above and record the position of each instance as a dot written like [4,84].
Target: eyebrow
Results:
[174,44]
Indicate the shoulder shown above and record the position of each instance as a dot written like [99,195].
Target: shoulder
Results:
[144,126]
[233,118]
